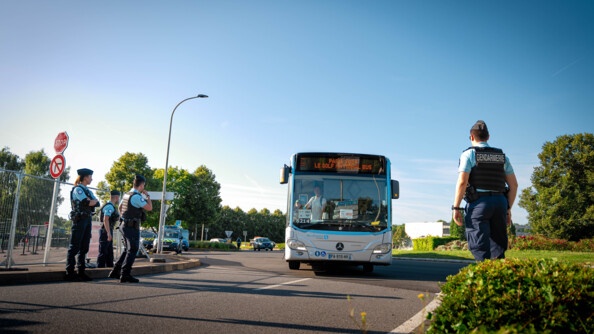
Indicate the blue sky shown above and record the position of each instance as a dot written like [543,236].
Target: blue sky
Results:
[406,79]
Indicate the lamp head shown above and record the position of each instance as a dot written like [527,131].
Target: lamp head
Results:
[202,96]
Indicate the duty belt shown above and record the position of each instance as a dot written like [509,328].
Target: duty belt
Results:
[135,223]
[488,193]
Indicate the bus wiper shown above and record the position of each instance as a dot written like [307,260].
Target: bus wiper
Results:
[318,222]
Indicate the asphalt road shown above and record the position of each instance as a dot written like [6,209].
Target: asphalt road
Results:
[238,292]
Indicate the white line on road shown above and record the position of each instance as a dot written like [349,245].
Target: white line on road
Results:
[413,323]
[279,285]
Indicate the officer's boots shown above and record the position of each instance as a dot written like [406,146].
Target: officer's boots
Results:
[71,276]
[116,272]
[127,278]
[82,276]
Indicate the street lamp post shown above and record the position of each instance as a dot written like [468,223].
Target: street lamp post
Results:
[162,215]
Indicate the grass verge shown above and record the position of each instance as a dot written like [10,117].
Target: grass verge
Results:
[565,256]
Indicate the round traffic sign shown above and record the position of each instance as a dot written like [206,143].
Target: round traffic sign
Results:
[57,166]
[61,142]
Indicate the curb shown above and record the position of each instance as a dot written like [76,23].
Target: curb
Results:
[56,274]
[432,260]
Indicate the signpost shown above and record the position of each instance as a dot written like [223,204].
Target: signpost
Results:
[56,168]
[58,163]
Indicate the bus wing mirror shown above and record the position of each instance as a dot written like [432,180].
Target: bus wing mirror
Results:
[395,189]
[284,174]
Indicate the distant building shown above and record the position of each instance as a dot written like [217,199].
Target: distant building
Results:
[421,230]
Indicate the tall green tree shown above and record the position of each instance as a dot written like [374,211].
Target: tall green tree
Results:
[121,177]
[197,197]
[560,202]
[37,189]
[8,181]
[121,174]
[10,161]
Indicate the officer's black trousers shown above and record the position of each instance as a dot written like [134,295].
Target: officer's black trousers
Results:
[79,244]
[486,227]
[105,257]
[126,260]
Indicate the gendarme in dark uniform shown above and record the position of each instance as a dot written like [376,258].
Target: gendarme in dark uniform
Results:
[133,207]
[487,182]
[83,204]
[109,217]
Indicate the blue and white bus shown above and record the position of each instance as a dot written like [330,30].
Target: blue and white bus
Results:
[339,209]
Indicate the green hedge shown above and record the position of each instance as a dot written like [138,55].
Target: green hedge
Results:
[212,245]
[536,242]
[430,243]
[517,296]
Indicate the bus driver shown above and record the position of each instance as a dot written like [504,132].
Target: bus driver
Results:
[317,204]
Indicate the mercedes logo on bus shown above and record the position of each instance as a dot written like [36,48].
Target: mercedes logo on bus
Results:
[339,246]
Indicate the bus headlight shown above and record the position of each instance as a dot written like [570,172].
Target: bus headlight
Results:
[382,249]
[296,244]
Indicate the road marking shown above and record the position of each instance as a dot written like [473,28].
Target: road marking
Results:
[279,285]
[412,324]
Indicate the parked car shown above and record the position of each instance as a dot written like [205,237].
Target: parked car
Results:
[172,240]
[186,240]
[147,238]
[263,243]
[218,240]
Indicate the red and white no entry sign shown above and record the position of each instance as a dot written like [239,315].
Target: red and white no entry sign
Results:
[57,166]
[61,142]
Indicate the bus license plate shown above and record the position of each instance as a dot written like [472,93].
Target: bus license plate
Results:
[334,256]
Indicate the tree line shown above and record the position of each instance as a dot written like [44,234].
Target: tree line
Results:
[197,201]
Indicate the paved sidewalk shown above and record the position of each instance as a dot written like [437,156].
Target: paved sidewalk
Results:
[39,273]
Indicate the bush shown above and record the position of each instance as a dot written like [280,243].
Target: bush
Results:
[453,245]
[430,243]
[458,232]
[535,242]
[535,296]
[399,237]
[584,245]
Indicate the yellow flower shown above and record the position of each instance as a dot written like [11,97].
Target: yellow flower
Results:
[421,296]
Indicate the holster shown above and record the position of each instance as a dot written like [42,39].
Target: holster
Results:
[77,215]
[134,223]
[471,194]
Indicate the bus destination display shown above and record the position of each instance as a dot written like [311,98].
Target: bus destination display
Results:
[341,164]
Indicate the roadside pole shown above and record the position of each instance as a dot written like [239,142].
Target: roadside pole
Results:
[15,211]
[50,226]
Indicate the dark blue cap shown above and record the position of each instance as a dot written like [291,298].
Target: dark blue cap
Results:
[115,193]
[84,172]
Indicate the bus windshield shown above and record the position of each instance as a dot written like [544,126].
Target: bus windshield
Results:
[348,203]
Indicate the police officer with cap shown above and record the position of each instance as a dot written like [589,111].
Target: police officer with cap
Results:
[133,207]
[83,204]
[487,182]
[109,216]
